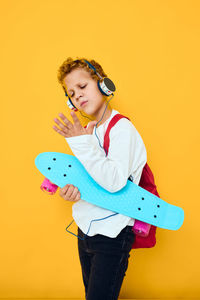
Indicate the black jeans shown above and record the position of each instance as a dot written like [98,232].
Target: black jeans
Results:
[104,261]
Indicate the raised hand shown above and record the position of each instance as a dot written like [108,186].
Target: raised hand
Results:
[68,129]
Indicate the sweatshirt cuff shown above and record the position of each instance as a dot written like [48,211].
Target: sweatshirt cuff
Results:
[82,142]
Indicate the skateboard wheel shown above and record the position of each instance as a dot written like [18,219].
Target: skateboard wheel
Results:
[48,186]
[140,228]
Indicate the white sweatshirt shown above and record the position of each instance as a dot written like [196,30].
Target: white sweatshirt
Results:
[126,156]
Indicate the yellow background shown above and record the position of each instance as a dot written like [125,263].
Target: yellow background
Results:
[150,49]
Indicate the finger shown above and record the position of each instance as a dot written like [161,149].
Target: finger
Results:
[68,189]
[64,192]
[61,193]
[64,127]
[72,193]
[66,121]
[77,122]
[60,131]
[64,189]
[78,197]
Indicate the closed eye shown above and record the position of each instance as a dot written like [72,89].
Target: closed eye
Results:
[82,87]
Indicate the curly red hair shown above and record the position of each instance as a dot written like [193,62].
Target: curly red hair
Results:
[69,64]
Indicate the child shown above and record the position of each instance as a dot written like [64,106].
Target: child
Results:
[104,248]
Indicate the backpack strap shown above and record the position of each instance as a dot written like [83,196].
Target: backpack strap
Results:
[106,144]
[113,121]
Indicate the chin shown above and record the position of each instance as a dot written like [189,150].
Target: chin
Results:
[87,110]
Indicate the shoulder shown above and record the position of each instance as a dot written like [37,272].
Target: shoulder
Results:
[124,129]
[123,125]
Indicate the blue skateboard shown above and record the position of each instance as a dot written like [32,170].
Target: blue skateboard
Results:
[132,200]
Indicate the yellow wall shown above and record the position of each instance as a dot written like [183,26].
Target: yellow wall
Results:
[150,49]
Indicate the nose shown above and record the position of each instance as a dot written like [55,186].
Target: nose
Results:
[78,95]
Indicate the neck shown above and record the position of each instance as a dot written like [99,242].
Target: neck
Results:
[98,115]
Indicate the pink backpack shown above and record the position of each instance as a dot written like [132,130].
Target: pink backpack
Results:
[146,182]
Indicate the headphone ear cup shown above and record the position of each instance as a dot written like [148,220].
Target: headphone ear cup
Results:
[69,102]
[106,87]
[71,105]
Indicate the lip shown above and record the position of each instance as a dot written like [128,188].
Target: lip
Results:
[84,102]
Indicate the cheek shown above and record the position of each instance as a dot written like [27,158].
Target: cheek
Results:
[95,92]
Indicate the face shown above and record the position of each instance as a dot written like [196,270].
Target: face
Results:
[82,87]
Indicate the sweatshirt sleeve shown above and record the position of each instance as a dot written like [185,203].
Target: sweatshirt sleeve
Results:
[126,156]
